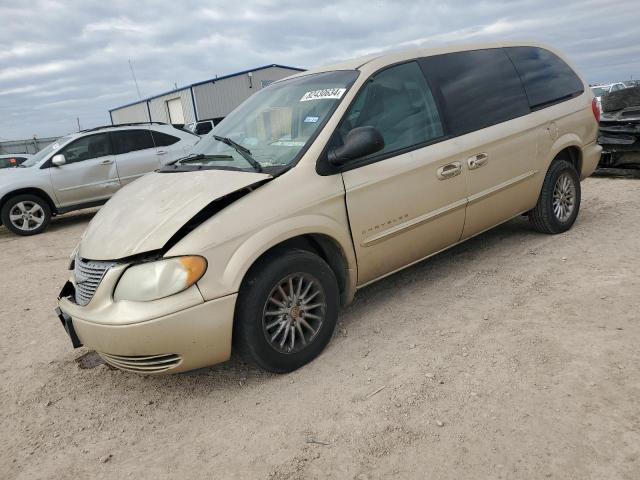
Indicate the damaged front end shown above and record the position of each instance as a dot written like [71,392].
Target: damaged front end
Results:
[620,129]
[155,212]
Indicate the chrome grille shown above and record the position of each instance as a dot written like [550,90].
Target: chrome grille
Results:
[143,364]
[88,275]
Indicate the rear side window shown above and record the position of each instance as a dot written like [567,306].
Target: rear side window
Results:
[479,88]
[398,102]
[125,141]
[547,78]
[163,139]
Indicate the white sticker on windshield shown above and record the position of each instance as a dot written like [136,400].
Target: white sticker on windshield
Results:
[326,93]
[311,119]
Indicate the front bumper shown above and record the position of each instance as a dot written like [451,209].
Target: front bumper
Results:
[191,338]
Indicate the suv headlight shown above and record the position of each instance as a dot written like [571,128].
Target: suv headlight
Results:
[153,280]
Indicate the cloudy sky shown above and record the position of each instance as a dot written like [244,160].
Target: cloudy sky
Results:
[65,59]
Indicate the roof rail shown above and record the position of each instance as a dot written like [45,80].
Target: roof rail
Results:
[122,125]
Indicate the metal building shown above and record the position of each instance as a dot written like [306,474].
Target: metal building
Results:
[209,100]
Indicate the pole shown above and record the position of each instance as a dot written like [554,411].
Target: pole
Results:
[133,74]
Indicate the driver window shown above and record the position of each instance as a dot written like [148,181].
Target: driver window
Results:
[85,148]
[399,103]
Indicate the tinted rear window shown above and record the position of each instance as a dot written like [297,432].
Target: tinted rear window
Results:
[547,78]
[478,88]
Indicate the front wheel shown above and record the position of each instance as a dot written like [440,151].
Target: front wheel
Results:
[26,214]
[559,201]
[286,310]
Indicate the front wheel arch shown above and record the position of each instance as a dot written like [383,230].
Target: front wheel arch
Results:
[332,240]
[30,191]
[327,248]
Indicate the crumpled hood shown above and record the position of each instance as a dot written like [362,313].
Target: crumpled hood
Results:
[145,214]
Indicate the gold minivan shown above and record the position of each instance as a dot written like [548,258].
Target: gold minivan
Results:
[318,185]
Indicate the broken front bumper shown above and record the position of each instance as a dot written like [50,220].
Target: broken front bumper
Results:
[620,129]
[620,144]
[145,337]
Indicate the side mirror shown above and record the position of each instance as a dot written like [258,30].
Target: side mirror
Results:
[58,160]
[360,142]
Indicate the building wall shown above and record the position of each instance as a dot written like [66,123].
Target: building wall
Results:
[30,145]
[131,114]
[213,99]
[158,106]
[219,97]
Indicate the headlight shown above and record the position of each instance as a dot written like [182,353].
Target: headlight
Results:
[159,279]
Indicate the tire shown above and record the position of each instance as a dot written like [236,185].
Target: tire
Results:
[33,205]
[258,317]
[557,216]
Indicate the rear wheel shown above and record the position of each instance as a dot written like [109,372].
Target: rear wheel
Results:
[559,201]
[26,214]
[286,311]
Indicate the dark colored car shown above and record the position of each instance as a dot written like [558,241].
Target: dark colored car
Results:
[11,161]
[620,129]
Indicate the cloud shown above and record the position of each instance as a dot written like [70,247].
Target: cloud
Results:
[66,59]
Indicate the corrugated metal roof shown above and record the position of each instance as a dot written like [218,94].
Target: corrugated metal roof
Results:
[187,87]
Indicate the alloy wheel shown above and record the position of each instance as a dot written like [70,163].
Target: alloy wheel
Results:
[564,197]
[294,313]
[26,215]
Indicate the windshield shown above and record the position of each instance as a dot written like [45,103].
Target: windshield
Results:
[274,125]
[52,147]
[599,91]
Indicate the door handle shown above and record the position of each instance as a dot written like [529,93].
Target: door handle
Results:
[161,152]
[106,162]
[449,170]
[477,161]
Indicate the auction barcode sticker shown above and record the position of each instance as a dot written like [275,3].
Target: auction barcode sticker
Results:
[326,93]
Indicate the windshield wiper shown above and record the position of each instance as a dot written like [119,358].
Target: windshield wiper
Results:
[191,156]
[245,152]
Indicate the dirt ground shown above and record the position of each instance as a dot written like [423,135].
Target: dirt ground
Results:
[513,356]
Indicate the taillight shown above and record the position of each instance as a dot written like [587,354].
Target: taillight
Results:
[596,109]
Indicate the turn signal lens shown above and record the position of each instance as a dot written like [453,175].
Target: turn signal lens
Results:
[194,267]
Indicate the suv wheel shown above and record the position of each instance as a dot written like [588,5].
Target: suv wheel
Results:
[26,214]
[286,311]
[559,201]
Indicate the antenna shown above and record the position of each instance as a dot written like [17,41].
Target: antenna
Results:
[133,74]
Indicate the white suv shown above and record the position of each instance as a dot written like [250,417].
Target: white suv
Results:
[83,170]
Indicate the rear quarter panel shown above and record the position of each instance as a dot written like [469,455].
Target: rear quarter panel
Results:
[567,124]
